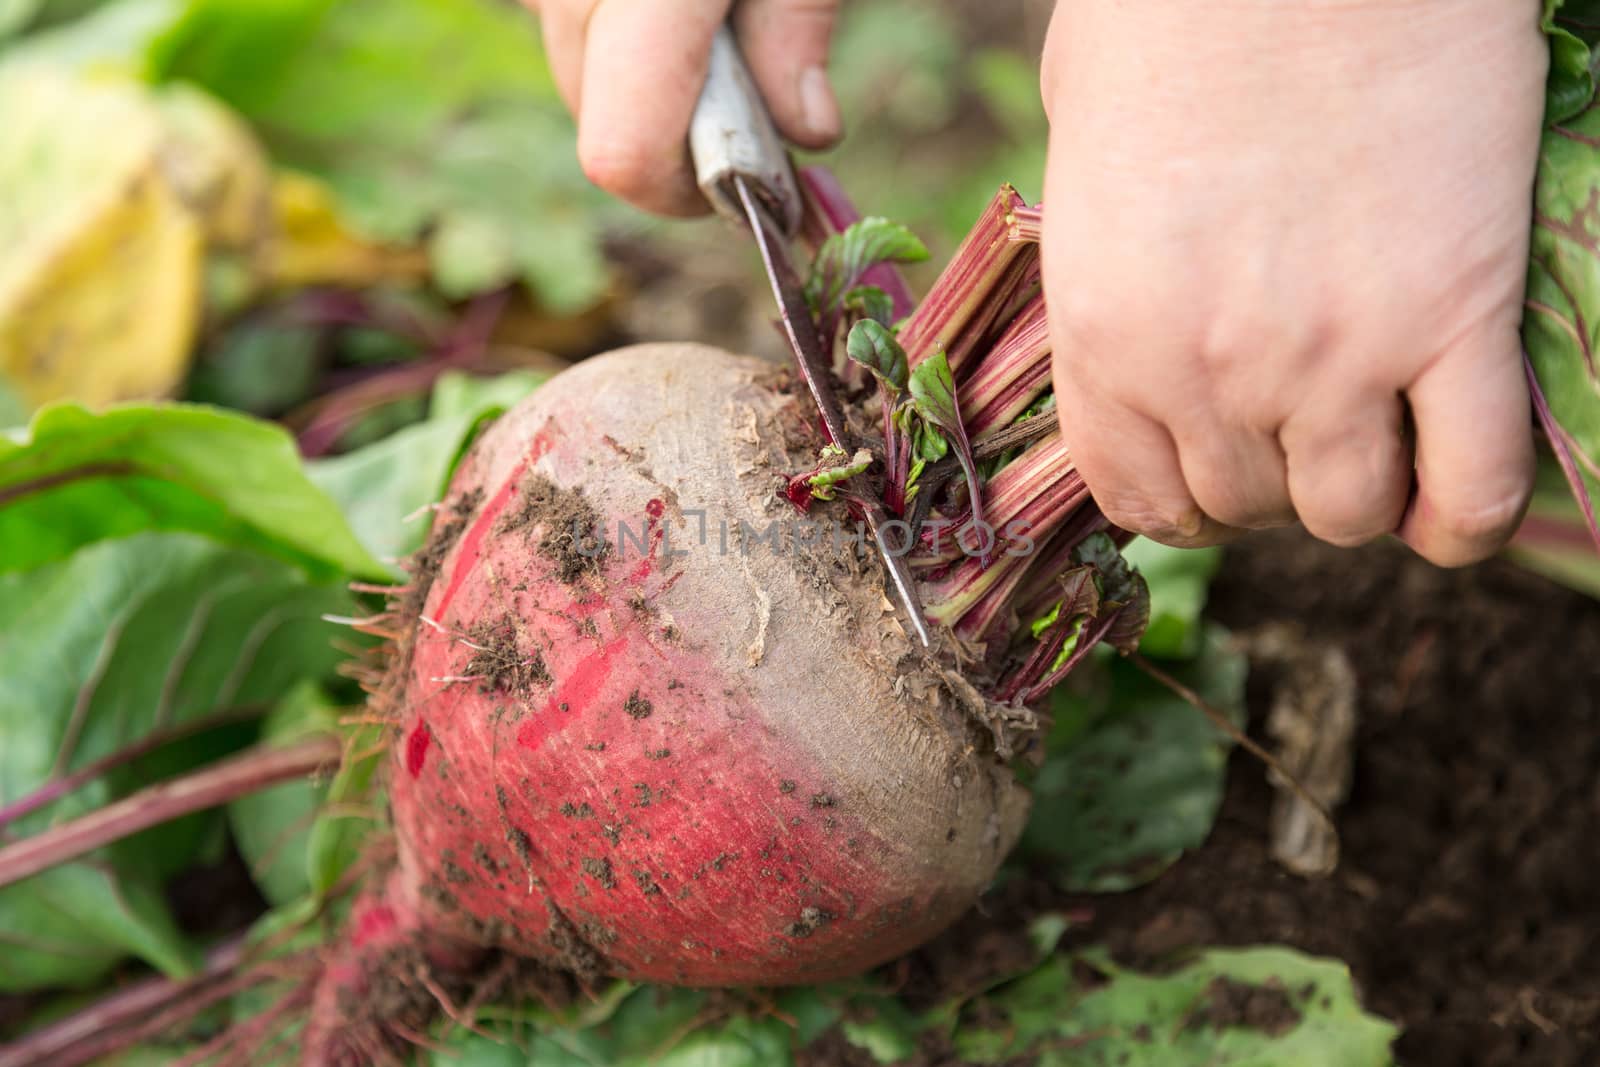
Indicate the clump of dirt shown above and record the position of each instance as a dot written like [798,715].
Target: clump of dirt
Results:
[498,664]
[586,963]
[990,942]
[1229,1002]
[810,920]
[442,537]
[637,706]
[599,868]
[572,536]
[485,860]
[522,845]
[399,1001]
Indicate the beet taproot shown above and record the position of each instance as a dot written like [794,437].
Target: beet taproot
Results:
[696,760]
[651,724]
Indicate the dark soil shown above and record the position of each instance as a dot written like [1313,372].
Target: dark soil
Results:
[571,535]
[442,537]
[498,664]
[1467,901]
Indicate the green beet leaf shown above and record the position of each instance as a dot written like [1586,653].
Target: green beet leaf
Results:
[933,392]
[381,487]
[273,827]
[1178,580]
[122,638]
[869,302]
[933,396]
[432,120]
[1554,538]
[75,477]
[1255,1007]
[1573,30]
[350,815]
[1301,1010]
[846,256]
[872,345]
[1561,324]
[841,469]
[1135,775]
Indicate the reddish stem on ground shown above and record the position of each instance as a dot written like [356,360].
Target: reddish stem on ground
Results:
[239,776]
[56,789]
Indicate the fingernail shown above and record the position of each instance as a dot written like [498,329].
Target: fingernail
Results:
[818,107]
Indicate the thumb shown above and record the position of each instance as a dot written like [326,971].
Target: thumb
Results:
[786,43]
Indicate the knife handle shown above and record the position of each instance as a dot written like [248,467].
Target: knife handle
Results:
[731,134]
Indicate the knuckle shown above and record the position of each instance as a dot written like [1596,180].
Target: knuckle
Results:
[1143,516]
[1244,499]
[1350,490]
[1233,341]
[781,35]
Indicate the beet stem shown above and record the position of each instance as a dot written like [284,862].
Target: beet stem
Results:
[108,469]
[56,789]
[106,1025]
[1561,444]
[977,290]
[239,776]
[1238,736]
[830,211]
[1028,223]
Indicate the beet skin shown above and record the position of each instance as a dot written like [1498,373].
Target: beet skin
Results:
[651,725]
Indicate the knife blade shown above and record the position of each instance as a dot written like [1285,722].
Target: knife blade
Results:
[744,170]
[798,324]
[802,331]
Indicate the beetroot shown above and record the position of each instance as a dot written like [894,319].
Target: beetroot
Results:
[625,748]
[726,766]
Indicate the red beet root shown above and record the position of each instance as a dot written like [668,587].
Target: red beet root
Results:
[697,766]
[630,748]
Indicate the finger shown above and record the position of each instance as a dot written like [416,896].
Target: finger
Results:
[562,27]
[1131,467]
[1474,451]
[786,43]
[1236,475]
[1349,471]
[644,63]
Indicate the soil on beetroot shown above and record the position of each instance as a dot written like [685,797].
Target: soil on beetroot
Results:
[1466,898]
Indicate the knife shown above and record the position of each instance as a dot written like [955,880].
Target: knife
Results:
[743,168]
